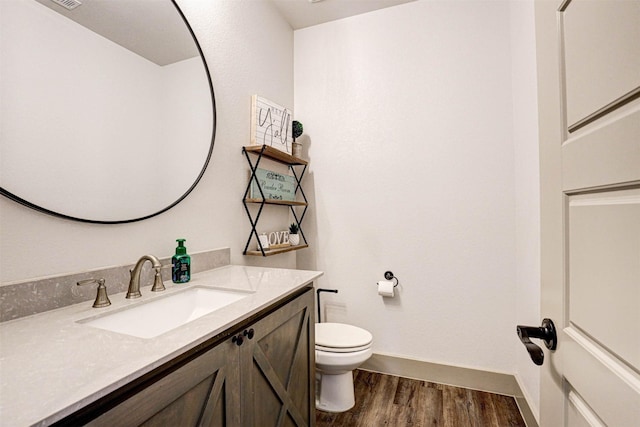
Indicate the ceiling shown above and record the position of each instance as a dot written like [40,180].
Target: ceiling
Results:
[155,31]
[152,29]
[304,13]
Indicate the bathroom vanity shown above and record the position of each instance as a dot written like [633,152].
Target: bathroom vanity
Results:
[248,363]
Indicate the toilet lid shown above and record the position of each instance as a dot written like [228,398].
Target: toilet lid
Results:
[340,335]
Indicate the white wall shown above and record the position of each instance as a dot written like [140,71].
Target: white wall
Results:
[409,112]
[248,47]
[527,177]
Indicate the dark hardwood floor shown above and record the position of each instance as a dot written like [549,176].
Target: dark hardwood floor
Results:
[386,400]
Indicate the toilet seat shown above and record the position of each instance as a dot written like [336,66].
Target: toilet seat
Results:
[341,338]
[342,349]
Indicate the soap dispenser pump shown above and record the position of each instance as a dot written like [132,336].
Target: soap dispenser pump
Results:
[181,261]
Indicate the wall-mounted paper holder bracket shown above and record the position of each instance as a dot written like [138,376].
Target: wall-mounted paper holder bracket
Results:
[389,276]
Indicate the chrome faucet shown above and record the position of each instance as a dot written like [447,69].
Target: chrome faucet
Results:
[134,283]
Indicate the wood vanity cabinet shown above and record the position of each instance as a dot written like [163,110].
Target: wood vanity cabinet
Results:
[259,373]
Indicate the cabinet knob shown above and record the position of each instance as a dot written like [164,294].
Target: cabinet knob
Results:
[237,339]
[249,333]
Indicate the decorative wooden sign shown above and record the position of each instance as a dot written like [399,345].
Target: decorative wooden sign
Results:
[270,124]
[279,239]
[275,186]
[274,240]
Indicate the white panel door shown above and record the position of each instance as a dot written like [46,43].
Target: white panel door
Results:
[589,95]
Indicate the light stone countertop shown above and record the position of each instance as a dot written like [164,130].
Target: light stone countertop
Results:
[51,366]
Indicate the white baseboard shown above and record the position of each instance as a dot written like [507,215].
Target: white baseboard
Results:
[493,382]
[524,403]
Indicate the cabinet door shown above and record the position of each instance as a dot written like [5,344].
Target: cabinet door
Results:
[277,368]
[204,392]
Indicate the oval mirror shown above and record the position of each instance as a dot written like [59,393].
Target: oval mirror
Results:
[107,112]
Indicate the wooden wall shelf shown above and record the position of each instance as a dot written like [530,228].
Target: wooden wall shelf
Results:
[274,154]
[269,252]
[276,202]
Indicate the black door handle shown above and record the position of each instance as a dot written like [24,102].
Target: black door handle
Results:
[546,332]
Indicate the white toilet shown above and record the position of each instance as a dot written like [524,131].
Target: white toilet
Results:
[340,349]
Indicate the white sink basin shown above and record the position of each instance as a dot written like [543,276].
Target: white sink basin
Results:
[150,319]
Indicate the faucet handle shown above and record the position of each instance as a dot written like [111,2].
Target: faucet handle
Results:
[158,284]
[102,300]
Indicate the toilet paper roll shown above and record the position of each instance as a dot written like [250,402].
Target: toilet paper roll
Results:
[385,288]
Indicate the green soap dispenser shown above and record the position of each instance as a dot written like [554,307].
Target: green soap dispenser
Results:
[181,271]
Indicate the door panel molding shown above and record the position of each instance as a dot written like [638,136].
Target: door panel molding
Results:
[613,397]
[583,154]
[580,414]
[618,103]
[601,57]
[604,269]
